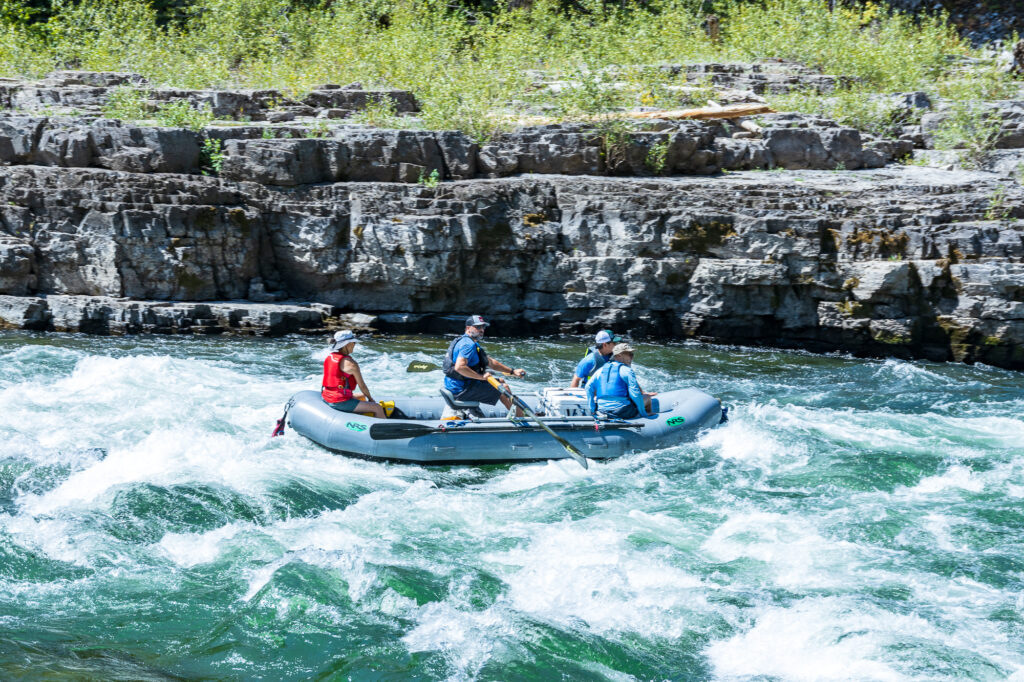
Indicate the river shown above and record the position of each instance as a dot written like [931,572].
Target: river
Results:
[856,519]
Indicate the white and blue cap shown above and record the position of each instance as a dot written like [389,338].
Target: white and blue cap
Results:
[476,321]
[606,336]
[343,338]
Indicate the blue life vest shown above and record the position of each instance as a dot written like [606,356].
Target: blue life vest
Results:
[599,362]
[610,382]
[448,366]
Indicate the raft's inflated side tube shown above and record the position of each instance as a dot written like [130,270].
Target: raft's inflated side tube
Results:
[682,414]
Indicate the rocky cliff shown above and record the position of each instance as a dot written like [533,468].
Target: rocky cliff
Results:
[804,236]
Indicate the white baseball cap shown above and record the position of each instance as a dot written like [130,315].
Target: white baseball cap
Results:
[606,336]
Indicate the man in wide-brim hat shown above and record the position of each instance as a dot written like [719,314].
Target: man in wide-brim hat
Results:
[614,390]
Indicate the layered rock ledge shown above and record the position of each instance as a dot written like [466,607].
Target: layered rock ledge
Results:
[901,261]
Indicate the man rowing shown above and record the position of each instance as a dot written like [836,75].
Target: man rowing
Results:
[467,366]
[615,392]
[596,357]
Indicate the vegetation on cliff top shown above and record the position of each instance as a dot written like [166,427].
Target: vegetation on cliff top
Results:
[472,70]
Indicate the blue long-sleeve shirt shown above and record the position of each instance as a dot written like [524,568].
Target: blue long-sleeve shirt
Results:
[602,388]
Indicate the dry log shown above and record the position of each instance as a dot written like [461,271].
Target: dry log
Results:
[706,113]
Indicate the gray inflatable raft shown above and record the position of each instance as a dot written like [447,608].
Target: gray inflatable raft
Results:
[425,439]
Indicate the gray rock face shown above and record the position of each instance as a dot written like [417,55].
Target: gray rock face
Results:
[17,266]
[105,315]
[350,154]
[88,92]
[356,99]
[774,77]
[794,258]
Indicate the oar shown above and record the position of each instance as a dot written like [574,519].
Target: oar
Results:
[576,454]
[395,431]
[401,431]
[420,366]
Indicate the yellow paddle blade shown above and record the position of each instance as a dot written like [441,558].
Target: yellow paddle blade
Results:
[420,366]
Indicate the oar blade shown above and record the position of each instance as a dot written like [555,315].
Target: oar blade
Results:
[398,431]
[420,366]
[575,454]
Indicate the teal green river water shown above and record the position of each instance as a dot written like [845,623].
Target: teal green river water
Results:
[855,519]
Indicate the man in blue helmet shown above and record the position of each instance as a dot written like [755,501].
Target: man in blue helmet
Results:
[466,367]
[614,390]
[596,357]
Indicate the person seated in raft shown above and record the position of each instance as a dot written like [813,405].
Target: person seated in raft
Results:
[466,367]
[342,375]
[597,355]
[615,392]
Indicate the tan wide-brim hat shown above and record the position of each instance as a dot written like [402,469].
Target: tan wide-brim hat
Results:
[623,348]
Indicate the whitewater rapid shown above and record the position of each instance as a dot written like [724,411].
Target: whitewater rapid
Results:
[856,519]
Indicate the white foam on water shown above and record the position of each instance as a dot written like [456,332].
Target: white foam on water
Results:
[956,477]
[665,528]
[192,549]
[864,430]
[467,639]
[750,442]
[538,475]
[959,607]
[61,539]
[817,639]
[259,577]
[904,373]
[159,459]
[939,526]
[589,572]
[792,546]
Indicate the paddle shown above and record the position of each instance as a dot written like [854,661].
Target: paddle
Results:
[576,454]
[420,366]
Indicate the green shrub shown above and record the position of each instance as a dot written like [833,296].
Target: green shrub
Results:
[127,103]
[882,48]
[972,128]
[319,129]
[181,114]
[430,181]
[211,156]
[998,208]
[657,155]
[379,112]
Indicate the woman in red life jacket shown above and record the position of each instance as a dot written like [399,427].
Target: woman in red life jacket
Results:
[342,375]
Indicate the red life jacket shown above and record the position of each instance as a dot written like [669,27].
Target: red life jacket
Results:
[337,385]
